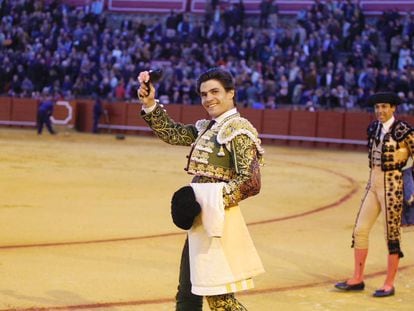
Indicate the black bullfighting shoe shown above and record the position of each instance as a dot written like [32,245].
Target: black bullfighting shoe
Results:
[384,293]
[347,287]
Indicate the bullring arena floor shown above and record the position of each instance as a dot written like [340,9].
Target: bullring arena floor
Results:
[85,225]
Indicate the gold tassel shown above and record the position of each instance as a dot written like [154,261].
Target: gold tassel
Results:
[221,152]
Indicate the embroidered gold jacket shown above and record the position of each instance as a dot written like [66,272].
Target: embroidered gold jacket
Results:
[229,151]
[397,146]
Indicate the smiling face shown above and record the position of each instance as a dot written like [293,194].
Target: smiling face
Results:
[384,111]
[215,99]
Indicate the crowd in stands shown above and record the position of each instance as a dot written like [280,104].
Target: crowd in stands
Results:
[329,56]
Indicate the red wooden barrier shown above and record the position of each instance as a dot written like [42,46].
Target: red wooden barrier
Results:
[117,114]
[175,111]
[407,118]
[190,114]
[5,110]
[276,122]
[330,125]
[24,111]
[63,113]
[322,129]
[355,127]
[134,122]
[133,116]
[255,116]
[302,123]
[84,115]
[356,123]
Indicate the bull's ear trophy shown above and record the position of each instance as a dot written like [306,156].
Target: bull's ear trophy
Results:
[155,76]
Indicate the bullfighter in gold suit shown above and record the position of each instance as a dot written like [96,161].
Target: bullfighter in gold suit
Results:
[390,144]
[218,257]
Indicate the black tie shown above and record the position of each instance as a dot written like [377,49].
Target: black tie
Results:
[210,125]
[378,136]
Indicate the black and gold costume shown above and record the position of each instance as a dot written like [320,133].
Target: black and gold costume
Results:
[224,151]
[386,160]
[229,151]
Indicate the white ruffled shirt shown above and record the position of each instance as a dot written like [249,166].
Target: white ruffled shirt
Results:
[386,126]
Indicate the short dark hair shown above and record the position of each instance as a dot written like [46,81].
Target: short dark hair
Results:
[224,77]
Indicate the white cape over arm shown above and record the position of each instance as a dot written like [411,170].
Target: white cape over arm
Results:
[223,257]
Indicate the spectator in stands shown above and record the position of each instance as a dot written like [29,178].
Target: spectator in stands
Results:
[273,14]
[404,57]
[395,46]
[360,99]
[15,87]
[171,24]
[264,7]
[184,28]
[119,90]
[27,87]
[97,7]
[252,94]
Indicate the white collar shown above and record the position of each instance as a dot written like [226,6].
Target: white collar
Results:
[386,125]
[225,115]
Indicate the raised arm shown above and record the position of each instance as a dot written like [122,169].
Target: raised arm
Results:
[167,129]
[157,118]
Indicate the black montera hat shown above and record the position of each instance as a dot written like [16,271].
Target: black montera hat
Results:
[384,98]
[184,207]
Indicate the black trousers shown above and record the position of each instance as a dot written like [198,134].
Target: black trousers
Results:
[43,118]
[185,299]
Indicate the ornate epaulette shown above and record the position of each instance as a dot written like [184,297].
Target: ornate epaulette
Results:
[401,130]
[202,124]
[372,127]
[238,126]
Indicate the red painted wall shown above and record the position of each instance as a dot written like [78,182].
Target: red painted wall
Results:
[24,109]
[126,116]
[5,108]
